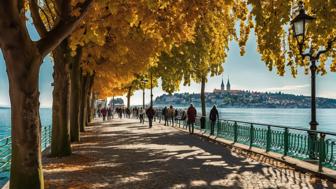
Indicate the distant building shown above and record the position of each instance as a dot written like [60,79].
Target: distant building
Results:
[222,86]
[222,89]
[228,85]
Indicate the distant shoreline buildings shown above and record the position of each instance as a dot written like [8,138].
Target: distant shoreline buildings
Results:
[228,98]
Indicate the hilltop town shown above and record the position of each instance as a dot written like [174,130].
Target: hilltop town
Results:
[228,98]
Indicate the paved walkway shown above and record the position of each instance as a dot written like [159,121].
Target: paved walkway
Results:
[126,154]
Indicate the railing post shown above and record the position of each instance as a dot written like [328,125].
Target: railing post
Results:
[251,135]
[235,132]
[218,125]
[286,141]
[321,151]
[268,138]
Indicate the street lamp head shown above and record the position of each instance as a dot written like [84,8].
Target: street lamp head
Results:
[299,24]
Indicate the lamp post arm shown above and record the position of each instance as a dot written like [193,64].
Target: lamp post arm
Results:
[304,55]
[326,50]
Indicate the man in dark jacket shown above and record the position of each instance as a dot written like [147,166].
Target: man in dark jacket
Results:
[165,115]
[191,113]
[213,116]
[150,114]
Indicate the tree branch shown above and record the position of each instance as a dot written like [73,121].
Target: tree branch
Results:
[37,20]
[62,30]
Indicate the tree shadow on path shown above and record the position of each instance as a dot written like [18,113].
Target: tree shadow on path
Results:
[126,154]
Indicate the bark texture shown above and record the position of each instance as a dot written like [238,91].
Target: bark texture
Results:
[129,97]
[88,109]
[75,98]
[92,100]
[60,143]
[23,60]
[83,108]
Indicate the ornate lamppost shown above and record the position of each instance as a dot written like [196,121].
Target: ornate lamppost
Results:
[151,89]
[300,25]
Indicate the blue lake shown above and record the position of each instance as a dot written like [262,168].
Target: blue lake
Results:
[5,120]
[298,118]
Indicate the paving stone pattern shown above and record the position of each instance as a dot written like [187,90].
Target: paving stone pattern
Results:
[126,154]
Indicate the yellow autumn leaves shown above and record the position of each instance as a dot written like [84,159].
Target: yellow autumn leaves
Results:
[187,40]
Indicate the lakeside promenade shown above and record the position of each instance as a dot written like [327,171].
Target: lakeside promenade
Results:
[126,154]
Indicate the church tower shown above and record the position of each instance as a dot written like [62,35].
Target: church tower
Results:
[222,86]
[228,85]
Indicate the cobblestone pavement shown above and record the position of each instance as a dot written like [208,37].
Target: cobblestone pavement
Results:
[125,154]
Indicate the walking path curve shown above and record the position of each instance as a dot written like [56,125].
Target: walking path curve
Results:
[125,154]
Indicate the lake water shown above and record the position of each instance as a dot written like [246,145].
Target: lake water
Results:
[298,118]
[5,120]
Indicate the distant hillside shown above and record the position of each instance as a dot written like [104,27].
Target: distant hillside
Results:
[245,99]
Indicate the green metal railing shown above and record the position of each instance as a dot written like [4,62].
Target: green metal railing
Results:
[6,153]
[314,146]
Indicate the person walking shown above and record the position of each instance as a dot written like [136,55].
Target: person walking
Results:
[171,113]
[104,112]
[213,116]
[176,114]
[120,113]
[183,117]
[128,113]
[109,113]
[150,114]
[165,115]
[141,115]
[191,113]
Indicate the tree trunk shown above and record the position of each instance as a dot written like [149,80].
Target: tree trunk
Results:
[203,96]
[26,166]
[60,142]
[23,60]
[88,100]
[88,109]
[83,109]
[75,98]
[92,100]
[129,97]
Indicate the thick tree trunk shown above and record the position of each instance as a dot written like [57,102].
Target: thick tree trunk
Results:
[91,109]
[203,97]
[88,100]
[86,116]
[60,143]
[88,109]
[75,98]
[26,166]
[23,60]
[84,96]
[129,97]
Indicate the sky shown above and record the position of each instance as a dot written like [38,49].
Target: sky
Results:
[246,72]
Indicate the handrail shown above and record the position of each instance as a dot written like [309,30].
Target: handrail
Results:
[278,126]
[307,144]
[6,149]
[6,138]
